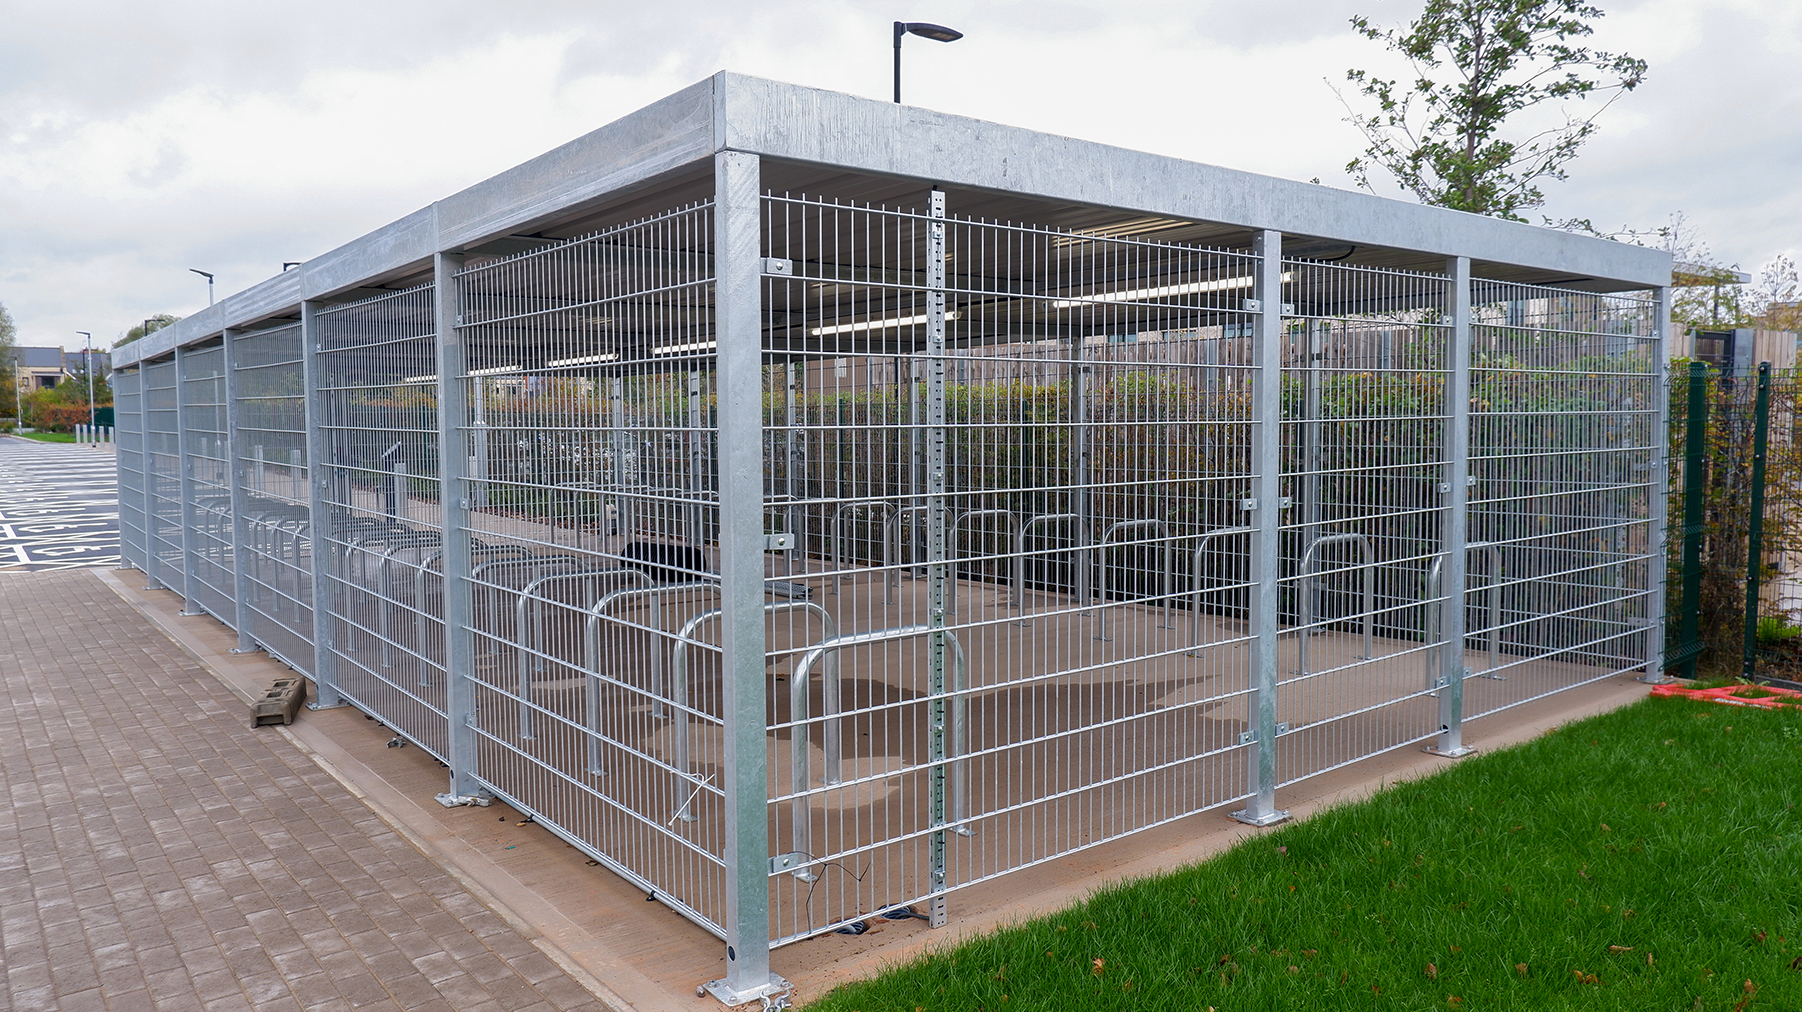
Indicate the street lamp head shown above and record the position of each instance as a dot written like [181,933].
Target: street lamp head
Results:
[204,274]
[937,33]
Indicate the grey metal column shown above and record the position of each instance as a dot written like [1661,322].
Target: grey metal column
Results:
[320,525]
[697,464]
[453,502]
[240,499]
[1081,472]
[1659,482]
[1455,528]
[938,572]
[190,605]
[1265,506]
[738,288]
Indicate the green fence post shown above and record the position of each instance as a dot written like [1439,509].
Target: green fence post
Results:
[1761,421]
[1694,485]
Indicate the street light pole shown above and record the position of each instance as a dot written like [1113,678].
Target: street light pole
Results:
[209,283]
[937,33]
[88,359]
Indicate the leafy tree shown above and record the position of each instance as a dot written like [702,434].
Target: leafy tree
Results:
[1477,64]
[9,392]
[150,326]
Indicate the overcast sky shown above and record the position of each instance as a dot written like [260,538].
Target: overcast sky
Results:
[138,140]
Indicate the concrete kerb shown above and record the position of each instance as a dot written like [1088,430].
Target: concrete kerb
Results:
[562,941]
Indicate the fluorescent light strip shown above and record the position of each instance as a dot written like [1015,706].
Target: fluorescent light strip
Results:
[1141,294]
[496,371]
[677,349]
[584,360]
[419,379]
[893,321]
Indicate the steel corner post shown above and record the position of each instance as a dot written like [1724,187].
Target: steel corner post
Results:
[1455,511]
[1659,494]
[738,323]
[453,501]
[1266,541]
[939,586]
[319,518]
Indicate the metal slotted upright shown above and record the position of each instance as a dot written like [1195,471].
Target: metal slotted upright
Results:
[1265,506]
[1455,522]
[738,263]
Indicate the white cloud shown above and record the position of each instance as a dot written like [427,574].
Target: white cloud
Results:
[140,140]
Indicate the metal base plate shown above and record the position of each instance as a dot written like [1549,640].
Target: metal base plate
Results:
[1268,819]
[773,994]
[320,706]
[1454,753]
[450,800]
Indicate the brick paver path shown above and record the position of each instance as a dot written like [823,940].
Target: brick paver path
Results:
[157,853]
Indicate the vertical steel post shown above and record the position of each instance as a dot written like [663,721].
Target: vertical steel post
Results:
[1658,511]
[622,448]
[1695,525]
[1455,525]
[938,572]
[1081,471]
[190,604]
[738,288]
[320,514]
[1265,507]
[240,500]
[1312,436]
[453,504]
[697,463]
[1761,421]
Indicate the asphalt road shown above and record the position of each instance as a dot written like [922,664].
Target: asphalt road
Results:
[59,506]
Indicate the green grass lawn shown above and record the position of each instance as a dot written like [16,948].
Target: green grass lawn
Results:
[48,437]
[1649,858]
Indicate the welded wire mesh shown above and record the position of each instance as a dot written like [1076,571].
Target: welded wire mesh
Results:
[1365,425]
[377,414]
[271,457]
[1009,493]
[128,429]
[207,447]
[1063,477]
[1564,436]
[591,440]
[162,475]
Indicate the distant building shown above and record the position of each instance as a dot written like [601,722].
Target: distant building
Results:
[44,368]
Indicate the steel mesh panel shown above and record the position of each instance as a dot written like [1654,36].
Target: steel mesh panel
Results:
[128,437]
[377,404]
[162,475]
[207,449]
[1365,416]
[271,454]
[1564,434]
[1078,524]
[590,372]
